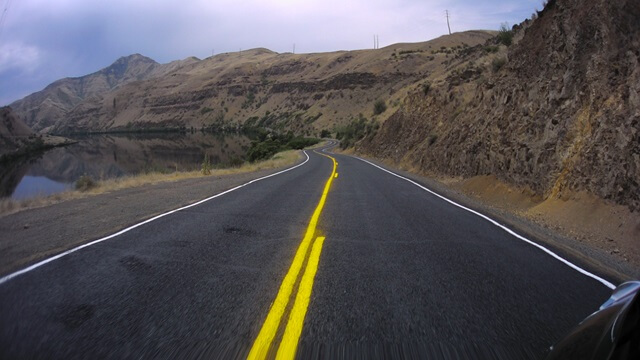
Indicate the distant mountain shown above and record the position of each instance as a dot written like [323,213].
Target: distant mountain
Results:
[304,93]
[42,109]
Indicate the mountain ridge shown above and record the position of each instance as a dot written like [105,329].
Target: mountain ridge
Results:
[42,109]
[304,93]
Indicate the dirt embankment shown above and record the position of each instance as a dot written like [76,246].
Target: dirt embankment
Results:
[558,124]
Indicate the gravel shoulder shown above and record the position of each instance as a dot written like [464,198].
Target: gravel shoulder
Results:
[35,234]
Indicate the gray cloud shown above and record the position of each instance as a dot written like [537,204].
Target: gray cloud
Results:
[44,40]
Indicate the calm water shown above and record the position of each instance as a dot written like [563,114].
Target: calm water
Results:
[110,156]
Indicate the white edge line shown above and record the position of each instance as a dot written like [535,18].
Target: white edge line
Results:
[549,252]
[58,256]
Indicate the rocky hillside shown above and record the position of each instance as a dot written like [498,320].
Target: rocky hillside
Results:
[42,109]
[17,139]
[14,133]
[300,92]
[561,115]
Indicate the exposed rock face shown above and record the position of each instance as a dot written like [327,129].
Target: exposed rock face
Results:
[42,109]
[562,114]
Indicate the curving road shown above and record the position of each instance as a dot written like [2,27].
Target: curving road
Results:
[399,272]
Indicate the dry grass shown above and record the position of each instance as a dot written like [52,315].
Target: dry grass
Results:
[8,206]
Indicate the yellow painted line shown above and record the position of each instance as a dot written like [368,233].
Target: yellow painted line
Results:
[289,344]
[270,326]
[336,175]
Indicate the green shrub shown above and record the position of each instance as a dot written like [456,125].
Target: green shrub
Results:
[265,147]
[299,142]
[491,49]
[426,87]
[432,139]
[379,107]
[85,183]
[356,130]
[505,36]
[498,63]
[325,133]
[260,150]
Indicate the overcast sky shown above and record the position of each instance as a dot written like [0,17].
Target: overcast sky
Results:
[45,40]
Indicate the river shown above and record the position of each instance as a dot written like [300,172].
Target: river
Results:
[109,156]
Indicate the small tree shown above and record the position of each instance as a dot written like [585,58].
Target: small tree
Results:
[379,107]
[325,133]
[498,63]
[206,165]
[505,36]
[85,183]
[426,87]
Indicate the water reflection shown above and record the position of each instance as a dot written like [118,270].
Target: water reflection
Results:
[109,156]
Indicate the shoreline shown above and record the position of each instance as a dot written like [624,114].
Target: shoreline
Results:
[9,206]
[32,148]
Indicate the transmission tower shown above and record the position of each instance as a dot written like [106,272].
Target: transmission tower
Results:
[447,15]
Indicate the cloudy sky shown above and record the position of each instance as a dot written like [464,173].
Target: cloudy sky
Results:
[45,40]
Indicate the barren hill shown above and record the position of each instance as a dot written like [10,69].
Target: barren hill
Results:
[299,92]
[42,109]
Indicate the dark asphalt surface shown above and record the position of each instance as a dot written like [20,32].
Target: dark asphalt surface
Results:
[402,274]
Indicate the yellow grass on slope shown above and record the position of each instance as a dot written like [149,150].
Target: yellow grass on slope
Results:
[8,206]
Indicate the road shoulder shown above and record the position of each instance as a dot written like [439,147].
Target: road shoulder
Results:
[38,233]
[603,262]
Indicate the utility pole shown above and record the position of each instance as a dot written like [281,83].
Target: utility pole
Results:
[376,42]
[294,48]
[447,15]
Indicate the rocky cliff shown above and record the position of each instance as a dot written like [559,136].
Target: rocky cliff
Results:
[561,115]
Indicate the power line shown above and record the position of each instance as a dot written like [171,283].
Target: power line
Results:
[3,18]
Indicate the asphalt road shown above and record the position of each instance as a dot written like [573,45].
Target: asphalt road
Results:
[401,273]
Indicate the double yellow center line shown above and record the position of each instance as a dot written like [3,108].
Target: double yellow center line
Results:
[293,329]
